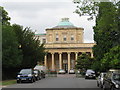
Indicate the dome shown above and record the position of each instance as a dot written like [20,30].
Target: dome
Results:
[65,24]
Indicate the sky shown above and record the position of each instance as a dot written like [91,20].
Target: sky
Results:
[42,14]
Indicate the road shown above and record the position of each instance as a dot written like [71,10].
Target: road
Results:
[62,81]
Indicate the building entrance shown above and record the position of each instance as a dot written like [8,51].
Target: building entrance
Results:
[65,67]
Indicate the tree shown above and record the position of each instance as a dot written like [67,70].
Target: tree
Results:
[111,59]
[106,30]
[4,17]
[84,61]
[11,55]
[31,48]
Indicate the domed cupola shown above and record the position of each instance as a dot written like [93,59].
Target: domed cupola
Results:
[64,23]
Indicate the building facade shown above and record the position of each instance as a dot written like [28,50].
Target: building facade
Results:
[64,43]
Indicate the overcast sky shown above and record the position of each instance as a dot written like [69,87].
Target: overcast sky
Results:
[43,14]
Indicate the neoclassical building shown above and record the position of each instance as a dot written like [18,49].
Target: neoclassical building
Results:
[64,43]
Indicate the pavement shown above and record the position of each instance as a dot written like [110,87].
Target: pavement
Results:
[61,81]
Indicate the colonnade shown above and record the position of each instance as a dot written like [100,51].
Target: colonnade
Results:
[60,60]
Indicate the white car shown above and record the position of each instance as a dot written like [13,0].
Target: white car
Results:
[90,74]
[61,71]
[72,71]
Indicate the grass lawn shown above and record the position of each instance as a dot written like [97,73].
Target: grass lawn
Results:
[7,82]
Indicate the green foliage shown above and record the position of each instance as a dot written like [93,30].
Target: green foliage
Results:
[96,66]
[20,49]
[11,55]
[106,30]
[4,17]
[30,46]
[84,61]
[87,7]
[112,58]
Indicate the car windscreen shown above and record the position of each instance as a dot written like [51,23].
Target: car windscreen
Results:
[116,77]
[25,71]
[90,71]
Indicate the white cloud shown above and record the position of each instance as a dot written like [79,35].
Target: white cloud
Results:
[42,15]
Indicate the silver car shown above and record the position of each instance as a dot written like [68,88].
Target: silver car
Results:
[72,71]
[100,80]
[61,71]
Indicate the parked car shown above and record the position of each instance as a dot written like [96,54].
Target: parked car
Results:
[72,71]
[100,79]
[112,80]
[90,74]
[38,75]
[42,74]
[61,71]
[26,75]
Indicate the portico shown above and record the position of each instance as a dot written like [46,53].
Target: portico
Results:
[64,58]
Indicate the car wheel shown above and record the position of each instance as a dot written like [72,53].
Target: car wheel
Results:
[112,88]
[40,78]
[18,81]
[86,78]
[44,77]
[32,80]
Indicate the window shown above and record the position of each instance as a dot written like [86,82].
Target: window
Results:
[44,40]
[72,38]
[64,39]
[57,39]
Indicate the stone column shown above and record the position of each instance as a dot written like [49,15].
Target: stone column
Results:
[45,62]
[76,56]
[60,60]
[53,62]
[68,61]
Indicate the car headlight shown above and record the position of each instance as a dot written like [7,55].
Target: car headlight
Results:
[18,75]
[36,75]
[93,75]
[29,75]
[117,86]
[86,74]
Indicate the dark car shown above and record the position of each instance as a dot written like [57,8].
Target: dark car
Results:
[26,75]
[90,74]
[37,74]
[100,79]
[112,81]
[42,74]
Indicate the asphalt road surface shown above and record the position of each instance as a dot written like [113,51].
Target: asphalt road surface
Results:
[62,81]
